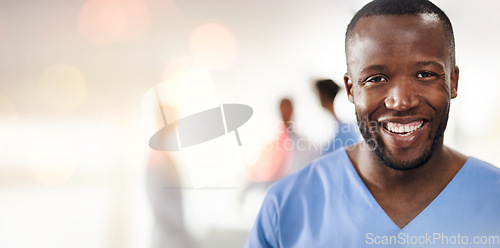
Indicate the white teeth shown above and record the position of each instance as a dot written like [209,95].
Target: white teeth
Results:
[404,130]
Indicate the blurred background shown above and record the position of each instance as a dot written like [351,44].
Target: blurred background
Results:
[76,169]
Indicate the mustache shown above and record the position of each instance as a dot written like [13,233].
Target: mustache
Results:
[395,113]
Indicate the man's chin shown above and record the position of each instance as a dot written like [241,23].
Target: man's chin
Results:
[403,165]
[403,162]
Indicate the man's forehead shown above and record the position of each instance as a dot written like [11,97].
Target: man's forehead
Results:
[382,32]
[392,23]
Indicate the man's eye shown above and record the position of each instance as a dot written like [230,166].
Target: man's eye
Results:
[425,74]
[376,79]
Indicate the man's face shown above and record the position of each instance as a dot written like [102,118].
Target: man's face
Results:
[401,79]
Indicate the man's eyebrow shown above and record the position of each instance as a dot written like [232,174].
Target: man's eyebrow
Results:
[430,62]
[374,68]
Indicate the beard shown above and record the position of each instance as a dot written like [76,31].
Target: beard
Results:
[374,140]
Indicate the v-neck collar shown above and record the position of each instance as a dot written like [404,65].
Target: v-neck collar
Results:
[379,208]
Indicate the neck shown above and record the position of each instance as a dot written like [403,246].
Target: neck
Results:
[442,166]
[405,194]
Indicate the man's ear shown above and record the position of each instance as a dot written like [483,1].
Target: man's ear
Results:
[348,86]
[454,82]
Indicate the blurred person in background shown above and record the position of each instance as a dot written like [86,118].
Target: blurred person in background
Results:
[401,186]
[345,133]
[285,154]
[165,197]
[164,189]
[300,151]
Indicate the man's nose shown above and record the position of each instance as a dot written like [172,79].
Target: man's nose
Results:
[402,97]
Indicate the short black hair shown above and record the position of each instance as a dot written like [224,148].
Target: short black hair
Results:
[327,88]
[402,8]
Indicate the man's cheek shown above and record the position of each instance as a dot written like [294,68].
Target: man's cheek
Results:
[364,122]
[374,126]
[361,103]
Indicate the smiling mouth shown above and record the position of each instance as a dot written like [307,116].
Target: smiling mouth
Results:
[403,129]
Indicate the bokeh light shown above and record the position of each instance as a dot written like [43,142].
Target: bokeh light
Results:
[214,46]
[62,87]
[168,7]
[102,21]
[137,19]
[106,21]
[51,161]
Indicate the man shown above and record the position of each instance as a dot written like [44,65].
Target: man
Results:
[400,187]
[346,134]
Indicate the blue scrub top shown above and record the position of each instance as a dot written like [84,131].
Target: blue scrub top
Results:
[327,204]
